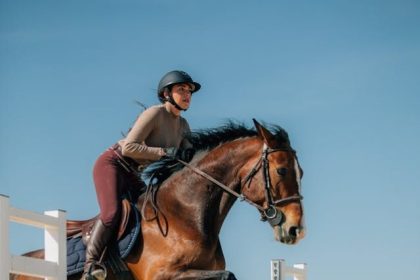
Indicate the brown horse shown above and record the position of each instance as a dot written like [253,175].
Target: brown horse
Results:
[180,240]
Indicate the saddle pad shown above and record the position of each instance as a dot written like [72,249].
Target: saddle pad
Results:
[76,249]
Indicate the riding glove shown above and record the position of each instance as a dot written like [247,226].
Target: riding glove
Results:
[182,154]
[171,152]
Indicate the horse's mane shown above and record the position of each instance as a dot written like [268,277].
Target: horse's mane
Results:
[207,139]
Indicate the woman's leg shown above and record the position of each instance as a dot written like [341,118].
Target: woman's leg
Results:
[106,178]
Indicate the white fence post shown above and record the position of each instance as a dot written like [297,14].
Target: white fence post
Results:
[55,242]
[280,270]
[54,266]
[4,238]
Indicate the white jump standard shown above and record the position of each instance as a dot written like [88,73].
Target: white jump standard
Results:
[54,224]
[281,271]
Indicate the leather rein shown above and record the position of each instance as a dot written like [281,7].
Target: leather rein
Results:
[271,213]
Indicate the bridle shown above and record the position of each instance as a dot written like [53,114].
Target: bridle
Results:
[271,213]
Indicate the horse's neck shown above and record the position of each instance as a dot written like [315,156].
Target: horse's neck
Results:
[207,203]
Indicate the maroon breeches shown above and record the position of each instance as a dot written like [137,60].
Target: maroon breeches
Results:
[111,181]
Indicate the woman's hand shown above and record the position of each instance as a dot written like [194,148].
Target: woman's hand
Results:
[182,154]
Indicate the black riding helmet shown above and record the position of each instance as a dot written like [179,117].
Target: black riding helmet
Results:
[172,78]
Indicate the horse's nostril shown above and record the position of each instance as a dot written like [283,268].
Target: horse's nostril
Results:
[294,231]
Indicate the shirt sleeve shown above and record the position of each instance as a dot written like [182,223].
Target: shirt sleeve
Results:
[134,146]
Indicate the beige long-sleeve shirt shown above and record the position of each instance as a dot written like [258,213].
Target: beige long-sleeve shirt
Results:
[156,128]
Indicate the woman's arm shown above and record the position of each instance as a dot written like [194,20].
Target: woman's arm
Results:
[134,146]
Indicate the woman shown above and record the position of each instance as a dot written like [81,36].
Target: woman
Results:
[158,132]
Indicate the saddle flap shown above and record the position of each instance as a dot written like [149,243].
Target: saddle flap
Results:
[84,227]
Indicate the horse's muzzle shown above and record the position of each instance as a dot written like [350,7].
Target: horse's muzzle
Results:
[288,234]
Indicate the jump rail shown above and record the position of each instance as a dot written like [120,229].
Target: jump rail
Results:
[54,265]
[280,270]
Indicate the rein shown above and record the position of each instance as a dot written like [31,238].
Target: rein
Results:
[271,214]
[221,185]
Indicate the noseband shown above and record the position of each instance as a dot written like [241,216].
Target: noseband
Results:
[271,213]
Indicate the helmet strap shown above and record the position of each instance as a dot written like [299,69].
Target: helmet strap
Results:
[172,101]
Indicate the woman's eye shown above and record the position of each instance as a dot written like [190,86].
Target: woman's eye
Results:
[282,171]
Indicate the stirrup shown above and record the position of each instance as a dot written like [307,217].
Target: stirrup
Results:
[97,271]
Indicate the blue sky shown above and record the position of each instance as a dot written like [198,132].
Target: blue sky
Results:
[342,77]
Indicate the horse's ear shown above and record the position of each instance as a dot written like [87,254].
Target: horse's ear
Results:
[265,134]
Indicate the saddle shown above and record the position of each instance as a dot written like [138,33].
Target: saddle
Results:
[78,233]
[84,227]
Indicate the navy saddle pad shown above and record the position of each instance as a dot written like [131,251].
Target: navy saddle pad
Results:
[76,249]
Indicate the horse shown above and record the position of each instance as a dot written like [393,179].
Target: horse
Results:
[181,223]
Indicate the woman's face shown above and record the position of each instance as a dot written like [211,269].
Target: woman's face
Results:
[181,93]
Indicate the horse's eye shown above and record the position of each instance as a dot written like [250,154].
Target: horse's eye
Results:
[282,171]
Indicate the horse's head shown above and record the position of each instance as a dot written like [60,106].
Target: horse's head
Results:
[272,181]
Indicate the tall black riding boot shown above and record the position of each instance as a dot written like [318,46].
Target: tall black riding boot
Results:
[100,237]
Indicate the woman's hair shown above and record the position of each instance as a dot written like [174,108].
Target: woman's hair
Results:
[167,89]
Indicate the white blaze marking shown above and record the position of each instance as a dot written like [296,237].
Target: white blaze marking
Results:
[298,176]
